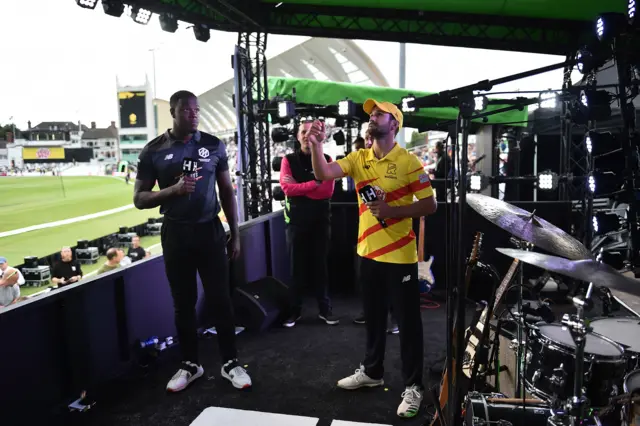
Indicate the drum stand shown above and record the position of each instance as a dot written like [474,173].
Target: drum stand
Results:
[571,411]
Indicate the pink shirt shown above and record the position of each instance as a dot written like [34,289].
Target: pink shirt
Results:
[307,189]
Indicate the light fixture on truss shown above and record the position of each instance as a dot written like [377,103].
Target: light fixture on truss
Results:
[408,104]
[87,4]
[140,15]
[168,23]
[548,181]
[480,103]
[286,110]
[346,108]
[606,222]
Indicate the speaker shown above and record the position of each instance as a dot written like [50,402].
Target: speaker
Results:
[83,244]
[30,262]
[259,304]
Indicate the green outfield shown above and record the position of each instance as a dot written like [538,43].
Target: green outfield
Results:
[30,201]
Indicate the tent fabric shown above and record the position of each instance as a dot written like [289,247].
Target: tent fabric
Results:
[326,93]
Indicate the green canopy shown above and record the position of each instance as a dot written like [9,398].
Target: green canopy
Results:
[327,93]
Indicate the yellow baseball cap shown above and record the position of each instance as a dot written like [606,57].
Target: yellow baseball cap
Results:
[369,104]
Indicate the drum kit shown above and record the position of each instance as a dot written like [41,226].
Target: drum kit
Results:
[583,372]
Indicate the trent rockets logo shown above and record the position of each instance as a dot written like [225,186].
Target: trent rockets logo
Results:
[379,192]
[43,153]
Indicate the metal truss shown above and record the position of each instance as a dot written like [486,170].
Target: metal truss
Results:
[409,26]
[253,130]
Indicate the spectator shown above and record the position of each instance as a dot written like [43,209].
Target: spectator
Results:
[136,252]
[114,256]
[10,281]
[66,271]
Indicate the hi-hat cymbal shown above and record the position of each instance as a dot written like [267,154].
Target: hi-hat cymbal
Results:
[587,270]
[528,227]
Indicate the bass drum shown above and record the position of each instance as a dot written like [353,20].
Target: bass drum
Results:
[483,409]
[551,347]
[625,332]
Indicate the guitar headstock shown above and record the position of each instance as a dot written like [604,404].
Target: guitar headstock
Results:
[521,244]
[475,251]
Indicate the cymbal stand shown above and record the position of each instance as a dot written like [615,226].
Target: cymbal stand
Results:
[571,412]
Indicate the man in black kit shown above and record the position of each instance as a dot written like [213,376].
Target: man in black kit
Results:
[193,239]
[136,252]
[66,271]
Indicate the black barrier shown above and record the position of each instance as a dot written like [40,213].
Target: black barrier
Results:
[81,336]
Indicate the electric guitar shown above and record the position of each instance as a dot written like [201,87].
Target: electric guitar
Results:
[443,400]
[481,329]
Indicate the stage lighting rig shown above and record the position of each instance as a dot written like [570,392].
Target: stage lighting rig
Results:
[604,183]
[87,4]
[477,181]
[201,32]
[591,105]
[286,110]
[606,222]
[407,104]
[168,22]
[280,134]
[480,103]
[113,7]
[631,13]
[346,108]
[140,15]
[548,100]
[339,138]
[548,181]
[601,143]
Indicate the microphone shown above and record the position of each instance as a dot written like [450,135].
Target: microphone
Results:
[190,168]
[543,311]
[368,195]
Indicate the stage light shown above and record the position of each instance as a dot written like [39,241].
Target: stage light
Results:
[480,103]
[276,163]
[339,138]
[280,134]
[407,104]
[87,4]
[600,143]
[606,222]
[286,109]
[168,22]
[346,108]
[603,183]
[592,105]
[113,7]
[477,181]
[548,100]
[631,12]
[278,193]
[201,32]
[609,25]
[140,15]
[547,181]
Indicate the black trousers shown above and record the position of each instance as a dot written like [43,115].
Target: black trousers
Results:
[201,248]
[384,283]
[308,247]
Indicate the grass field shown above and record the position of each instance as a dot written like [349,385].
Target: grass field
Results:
[27,201]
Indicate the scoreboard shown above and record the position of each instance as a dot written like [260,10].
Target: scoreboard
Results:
[133,109]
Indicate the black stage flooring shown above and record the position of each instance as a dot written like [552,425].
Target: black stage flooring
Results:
[294,372]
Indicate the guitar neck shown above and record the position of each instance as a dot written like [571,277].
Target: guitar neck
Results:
[421,240]
[505,282]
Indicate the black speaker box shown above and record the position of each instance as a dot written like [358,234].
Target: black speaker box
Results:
[30,262]
[259,304]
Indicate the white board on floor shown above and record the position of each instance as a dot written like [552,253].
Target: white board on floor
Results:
[217,416]
[343,423]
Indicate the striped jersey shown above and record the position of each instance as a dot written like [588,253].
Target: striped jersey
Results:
[396,178]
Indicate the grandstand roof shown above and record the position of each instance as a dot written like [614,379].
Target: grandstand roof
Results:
[317,58]
[57,125]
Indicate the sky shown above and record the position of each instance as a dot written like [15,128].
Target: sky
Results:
[61,62]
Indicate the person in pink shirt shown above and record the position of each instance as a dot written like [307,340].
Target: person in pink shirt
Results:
[308,216]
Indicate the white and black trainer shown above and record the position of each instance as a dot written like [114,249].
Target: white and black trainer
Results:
[292,320]
[187,373]
[359,380]
[329,318]
[236,374]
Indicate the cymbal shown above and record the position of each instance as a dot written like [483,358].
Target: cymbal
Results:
[587,270]
[528,227]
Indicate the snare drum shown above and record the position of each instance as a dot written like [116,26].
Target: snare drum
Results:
[551,346]
[631,410]
[624,331]
[485,409]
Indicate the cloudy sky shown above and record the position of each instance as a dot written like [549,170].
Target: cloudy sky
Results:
[60,62]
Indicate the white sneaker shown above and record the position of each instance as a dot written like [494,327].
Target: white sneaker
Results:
[411,401]
[184,376]
[238,376]
[359,380]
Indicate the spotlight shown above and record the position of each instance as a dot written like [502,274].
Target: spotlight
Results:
[201,32]
[603,183]
[286,109]
[548,100]
[346,108]
[481,103]
[606,222]
[609,25]
[280,134]
[278,193]
[276,163]
[592,105]
[140,15]
[87,4]
[113,7]
[168,22]
[600,143]
[407,104]
[631,12]
[339,138]
[477,181]
[547,181]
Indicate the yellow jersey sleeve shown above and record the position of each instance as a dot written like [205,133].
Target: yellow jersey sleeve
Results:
[348,163]
[419,182]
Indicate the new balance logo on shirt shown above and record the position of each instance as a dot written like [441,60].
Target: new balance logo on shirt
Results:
[406,279]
